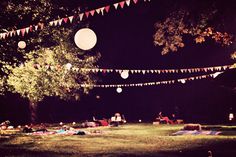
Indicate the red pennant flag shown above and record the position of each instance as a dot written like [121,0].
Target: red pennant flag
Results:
[87,14]
[92,12]
[107,8]
[22,31]
[31,28]
[122,4]
[135,1]
[65,19]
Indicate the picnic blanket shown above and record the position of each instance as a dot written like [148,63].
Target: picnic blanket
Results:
[196,132]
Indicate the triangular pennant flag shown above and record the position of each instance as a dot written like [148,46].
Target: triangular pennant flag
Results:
[92,12]
[127,2]
[22,31]
[36,27]
[135,1]
[116,5]
[102,10]
[122,4]
[3,35]
[11,33]
[107,8]
[87,14]
[7,35]
[18,32]
[27,30]
[65,19]
[41,25]
[81,16]
[98,10]
[51,23]
[143,71]
[60,22]
[31,28]
[71,18]
[55,22]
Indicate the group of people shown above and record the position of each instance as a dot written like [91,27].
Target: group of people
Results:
[166,120]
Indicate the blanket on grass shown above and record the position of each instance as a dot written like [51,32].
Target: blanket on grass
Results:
[196,132]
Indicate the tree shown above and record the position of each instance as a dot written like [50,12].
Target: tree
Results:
[170,32]
[50,66]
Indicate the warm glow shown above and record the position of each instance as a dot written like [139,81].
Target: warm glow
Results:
[85,39]
[119,90]
[125,74]
[231,116]
[68,66]
[21,44]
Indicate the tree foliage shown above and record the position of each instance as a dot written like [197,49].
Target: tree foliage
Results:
[51,64]
[170,32]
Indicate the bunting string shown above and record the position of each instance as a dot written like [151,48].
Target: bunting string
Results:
[182,80]
[70,19]
[140,71]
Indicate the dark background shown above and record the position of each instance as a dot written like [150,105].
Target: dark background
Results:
[125,41]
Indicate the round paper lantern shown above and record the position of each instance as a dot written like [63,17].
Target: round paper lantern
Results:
[118,90]
[68,66]
[21,44]
[125,74]
[85,39]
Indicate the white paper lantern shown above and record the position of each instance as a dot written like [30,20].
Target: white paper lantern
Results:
[118,90]
[68,66]
[125,74]
[85,39]
[21,44]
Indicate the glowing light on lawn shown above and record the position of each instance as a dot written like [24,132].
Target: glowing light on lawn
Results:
[231,116]
[139,120]
[61,123]
[21,44]
[85,39]
[118,90]
[73,123]
[125,74]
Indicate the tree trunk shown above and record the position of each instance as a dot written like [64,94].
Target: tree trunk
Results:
[33,111]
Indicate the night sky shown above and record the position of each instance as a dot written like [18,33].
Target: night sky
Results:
[125,41]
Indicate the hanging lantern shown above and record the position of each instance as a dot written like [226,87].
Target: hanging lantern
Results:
[22,44]
[124,74]
[68,66]
[119,90]
[85,39]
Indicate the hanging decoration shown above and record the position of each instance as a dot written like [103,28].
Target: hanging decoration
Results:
[85,39]
[22,44]
[23,31]
[119,86]
[125,74]
[118,89]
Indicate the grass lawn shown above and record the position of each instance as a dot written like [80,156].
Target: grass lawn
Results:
[126,140]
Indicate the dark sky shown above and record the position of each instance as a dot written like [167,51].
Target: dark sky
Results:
[125,40]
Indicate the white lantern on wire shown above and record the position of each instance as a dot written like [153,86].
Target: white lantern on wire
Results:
[22,44]
[85,39]
[68,66]
[119,90]
[124,74]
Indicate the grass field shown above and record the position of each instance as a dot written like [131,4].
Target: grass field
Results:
[126,140]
